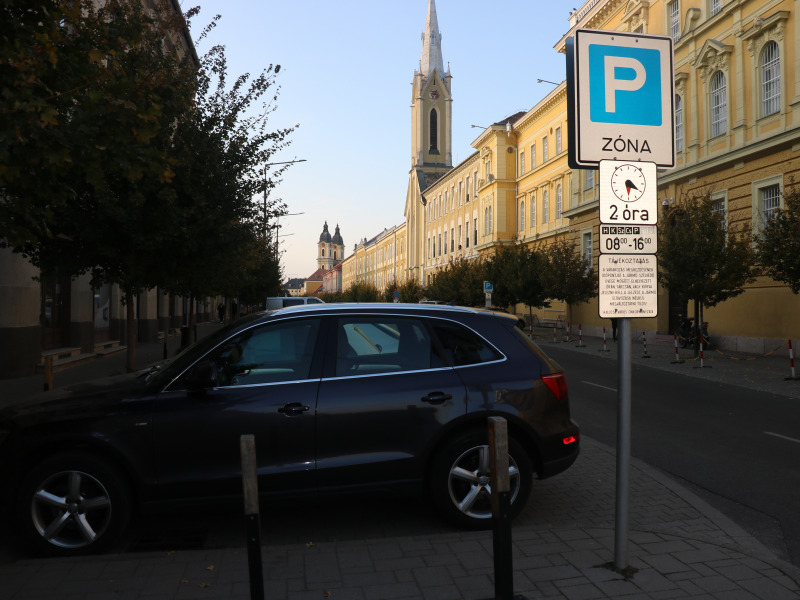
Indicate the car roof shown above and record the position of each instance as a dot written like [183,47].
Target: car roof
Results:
[387,307]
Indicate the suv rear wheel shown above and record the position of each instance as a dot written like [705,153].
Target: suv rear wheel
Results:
[461,475]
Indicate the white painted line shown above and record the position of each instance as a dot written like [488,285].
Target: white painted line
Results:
[783,437]
[600,386]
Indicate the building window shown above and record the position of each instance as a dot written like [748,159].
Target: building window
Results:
[452,240]
[533,210]
[714,6]
[674,20]
[486,221]
[678,123]
[466,234]
[459,236]
[586,249]
[533,155]
[491,222]
[440,244]
[467,191]
[558,140]
[589,181]
[544,149]
[770,79]
[545,206]
[434,131]
[522,216]
[719,105]
[770,201]
[460,193]
[522,163]
[475,230]
[559,202]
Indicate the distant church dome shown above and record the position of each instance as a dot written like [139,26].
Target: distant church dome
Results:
[337,237]
[325,236]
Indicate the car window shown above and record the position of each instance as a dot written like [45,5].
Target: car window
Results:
[367,345]
[463,346]
[271,353]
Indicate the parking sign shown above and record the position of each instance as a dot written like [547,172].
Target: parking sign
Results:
[621,95]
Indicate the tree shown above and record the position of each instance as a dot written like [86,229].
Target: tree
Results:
[519,275]
[778,245]
[95,97]
[460,282]
[700,258]
[569,275]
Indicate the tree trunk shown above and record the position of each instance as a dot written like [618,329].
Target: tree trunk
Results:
[696,331]
[192,321]
[132,325]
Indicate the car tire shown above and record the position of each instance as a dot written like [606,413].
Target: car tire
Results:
[73,504]
[460,476]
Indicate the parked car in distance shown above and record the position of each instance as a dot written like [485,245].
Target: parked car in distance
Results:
[340,397]
[277,302]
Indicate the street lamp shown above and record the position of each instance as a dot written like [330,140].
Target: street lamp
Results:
[546,81]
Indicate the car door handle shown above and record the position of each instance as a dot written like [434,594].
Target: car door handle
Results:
[437,397]
[293,408]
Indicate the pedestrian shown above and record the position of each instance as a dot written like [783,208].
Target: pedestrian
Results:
[614,328]
[221,312]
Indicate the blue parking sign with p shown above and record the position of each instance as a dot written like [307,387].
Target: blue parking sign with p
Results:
[625,85]
[620,98]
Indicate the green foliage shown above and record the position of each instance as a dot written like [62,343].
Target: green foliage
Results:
[362,292]
[778,245]
[569,276]
[460,282]
[699,257]
[518,275]
[411,291]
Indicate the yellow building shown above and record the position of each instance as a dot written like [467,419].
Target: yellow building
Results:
[737,115]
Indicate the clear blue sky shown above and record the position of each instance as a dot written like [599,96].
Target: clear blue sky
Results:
[346,72]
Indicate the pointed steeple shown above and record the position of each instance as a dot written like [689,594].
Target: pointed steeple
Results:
[431,44]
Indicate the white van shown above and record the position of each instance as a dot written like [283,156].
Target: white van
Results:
[281,302]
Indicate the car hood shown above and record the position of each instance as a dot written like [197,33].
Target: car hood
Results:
[97,396]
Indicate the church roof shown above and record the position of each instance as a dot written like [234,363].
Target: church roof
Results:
[325,236]
[337,237]
[431,44]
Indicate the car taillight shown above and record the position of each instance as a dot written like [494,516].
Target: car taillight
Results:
[557,384]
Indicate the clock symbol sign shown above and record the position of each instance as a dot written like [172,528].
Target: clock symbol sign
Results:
[628,183]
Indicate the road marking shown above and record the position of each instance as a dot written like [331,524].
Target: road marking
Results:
[783,437]
[600,386]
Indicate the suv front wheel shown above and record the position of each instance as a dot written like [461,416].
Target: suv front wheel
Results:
[461,476]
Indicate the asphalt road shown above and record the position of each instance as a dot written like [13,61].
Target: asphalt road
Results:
[736,447]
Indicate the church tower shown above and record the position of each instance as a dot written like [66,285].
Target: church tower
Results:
[330,249]
[431,104]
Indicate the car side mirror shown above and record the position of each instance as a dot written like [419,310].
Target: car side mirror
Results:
[202,377]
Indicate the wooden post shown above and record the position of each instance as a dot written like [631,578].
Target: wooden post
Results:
[501,509]
[247,445]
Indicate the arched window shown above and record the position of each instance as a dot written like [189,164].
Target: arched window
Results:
[323,252]
[545,206]
[678,123]
[434,130]
[486,221]
[719,105]
[522,216]
[559,202]
[770,79]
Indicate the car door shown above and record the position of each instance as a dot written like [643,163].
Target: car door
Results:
[385,395]
[267,385]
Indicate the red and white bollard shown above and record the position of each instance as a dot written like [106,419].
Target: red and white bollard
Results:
[580,336]
[605,346]
[569,332]
[677,355]
[644,343]
[791,360]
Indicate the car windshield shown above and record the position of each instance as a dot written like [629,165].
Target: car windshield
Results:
[162,373]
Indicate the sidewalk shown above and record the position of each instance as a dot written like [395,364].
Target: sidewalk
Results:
[679,546]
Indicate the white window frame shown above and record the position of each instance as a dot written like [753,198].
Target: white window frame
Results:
[719,104]
[558,141]
[559,201]
[770,70]
[714,6]
[678,123]
[545,206]
[762,192]
[674,16]
[545,150]
[522,215]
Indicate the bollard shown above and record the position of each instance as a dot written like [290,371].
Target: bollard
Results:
[580,336]
[644,343]
[702,365]
[569,332]
[791,362]
[501,509]
[247,446]
[677,355]
[555,334]
[605,346]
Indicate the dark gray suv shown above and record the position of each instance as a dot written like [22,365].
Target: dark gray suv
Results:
[340,397]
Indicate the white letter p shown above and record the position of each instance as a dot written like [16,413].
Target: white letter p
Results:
[627,85]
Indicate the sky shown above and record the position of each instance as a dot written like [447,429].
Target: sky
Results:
[345,80]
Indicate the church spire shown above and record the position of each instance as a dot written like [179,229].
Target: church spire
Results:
[431,44]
